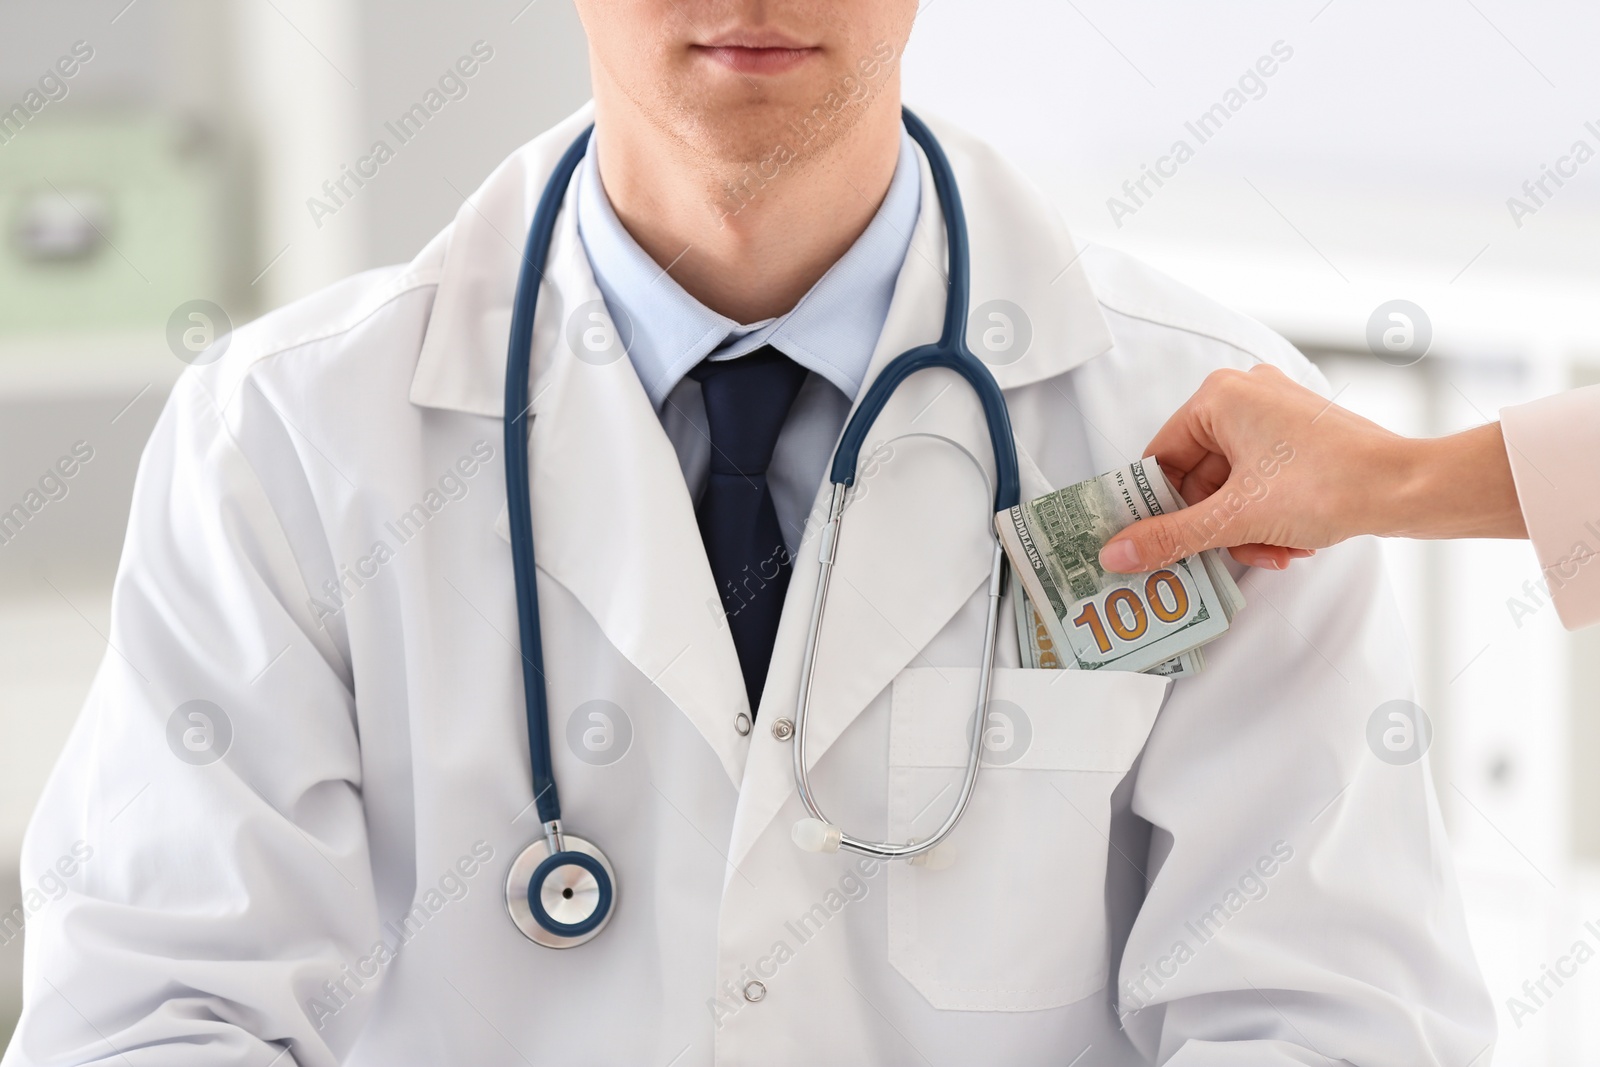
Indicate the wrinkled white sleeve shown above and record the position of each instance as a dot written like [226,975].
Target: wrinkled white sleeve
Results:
[218,897]
[1301,904]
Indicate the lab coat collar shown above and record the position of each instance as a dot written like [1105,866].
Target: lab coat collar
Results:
[604,471]
[1022,256]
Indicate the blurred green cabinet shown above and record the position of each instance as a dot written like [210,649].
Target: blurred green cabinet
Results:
[110,222]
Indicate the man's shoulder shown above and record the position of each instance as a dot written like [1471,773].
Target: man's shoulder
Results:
[1156,316]
[356,319]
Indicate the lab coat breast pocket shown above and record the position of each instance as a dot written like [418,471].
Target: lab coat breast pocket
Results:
[1017,922]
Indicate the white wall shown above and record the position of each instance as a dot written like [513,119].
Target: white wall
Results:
[1377,163]
[323,92]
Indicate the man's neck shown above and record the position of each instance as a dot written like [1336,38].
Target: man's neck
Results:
[746,239]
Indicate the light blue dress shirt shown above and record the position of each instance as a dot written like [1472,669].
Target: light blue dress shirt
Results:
[831,332]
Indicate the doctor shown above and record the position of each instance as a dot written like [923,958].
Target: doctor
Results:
[303,774]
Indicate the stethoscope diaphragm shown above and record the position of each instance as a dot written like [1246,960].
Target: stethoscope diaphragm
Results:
[561,899]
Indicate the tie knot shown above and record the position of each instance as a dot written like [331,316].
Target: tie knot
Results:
[747,400]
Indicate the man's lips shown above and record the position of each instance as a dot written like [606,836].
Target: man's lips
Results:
[757,57]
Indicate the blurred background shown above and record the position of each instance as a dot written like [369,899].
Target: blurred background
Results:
[173,183]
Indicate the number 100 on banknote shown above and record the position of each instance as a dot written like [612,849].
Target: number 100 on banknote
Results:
[1124,616]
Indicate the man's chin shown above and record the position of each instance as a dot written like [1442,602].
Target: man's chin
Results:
[739,128]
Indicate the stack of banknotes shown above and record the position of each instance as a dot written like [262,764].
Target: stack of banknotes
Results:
[1072,615]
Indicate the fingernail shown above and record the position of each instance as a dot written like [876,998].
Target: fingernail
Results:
[1120,556]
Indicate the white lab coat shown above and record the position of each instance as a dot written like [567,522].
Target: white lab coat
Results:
[318,549]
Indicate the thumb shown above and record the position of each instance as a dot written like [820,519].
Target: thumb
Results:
[1155,542]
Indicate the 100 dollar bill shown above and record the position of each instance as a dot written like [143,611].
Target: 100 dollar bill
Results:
[1100,620]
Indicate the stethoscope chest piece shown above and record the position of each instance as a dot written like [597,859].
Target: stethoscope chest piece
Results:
[561,899]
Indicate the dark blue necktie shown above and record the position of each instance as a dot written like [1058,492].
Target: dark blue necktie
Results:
[747,400]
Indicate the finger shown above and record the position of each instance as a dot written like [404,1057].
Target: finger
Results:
[1155,542]
[1270,557]
[1267,557]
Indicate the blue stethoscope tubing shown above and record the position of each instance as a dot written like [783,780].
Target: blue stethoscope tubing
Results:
[560,860]
[949,352]
[562,866]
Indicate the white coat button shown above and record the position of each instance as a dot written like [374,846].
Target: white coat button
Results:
[755,992]
[783,729]
[741,723]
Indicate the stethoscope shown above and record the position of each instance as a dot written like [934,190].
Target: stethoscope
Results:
[562,891]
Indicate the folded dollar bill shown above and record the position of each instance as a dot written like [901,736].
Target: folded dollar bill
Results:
[1076,615]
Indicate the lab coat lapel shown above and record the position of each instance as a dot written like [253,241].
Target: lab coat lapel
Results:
[916,542]
[614,524]
[612,518]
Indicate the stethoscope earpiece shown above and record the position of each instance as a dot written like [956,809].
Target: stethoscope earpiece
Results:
[814,835]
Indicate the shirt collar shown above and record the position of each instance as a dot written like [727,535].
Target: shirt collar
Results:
[832,331]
